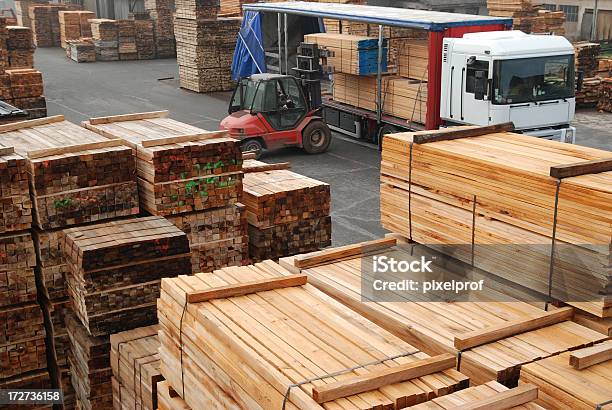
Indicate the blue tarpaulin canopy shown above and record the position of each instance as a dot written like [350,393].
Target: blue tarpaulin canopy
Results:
[249,56]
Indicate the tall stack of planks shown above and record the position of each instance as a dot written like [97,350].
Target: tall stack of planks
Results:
[204,45]
[494,334]
[74,25]
[106,36]
[21,11]
[145,36]
[288,213]
[528,17]
[115,269]
[437,190]
[126,40]
[605,100]
[251,338]
[191,176]
[20,46]
[233,8]
[135,363]
[163,26]
[46,24]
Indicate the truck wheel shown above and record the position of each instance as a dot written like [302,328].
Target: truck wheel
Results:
[316,137]
[252,145]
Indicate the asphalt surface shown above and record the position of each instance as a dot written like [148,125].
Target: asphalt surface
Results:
[81,91]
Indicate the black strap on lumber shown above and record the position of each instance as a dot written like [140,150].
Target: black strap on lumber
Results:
[600,406]
[581,168]
[341,372]
[410,194]
[473,230]
[551,264]
[454,134]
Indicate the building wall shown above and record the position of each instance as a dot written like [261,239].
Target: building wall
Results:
[580,29]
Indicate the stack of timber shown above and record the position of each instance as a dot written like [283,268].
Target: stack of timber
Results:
[413,59]
[45,23]
[82,50]
[586,57]
[205,49]
[126,40]
[233,8]
[604,67]
[191,176]
[457,187]
[74,25]
[135,364]
[27,91]
[288,213]
[4,55]
[20,46]
[590,94]
[29,381]
[581,379]
[145,37]
[284,332]
[197,9]
[548,21]
[528,17]
[605,99]
[105,34]
[161,12]
[495,332]
[350,54]
[16,212]
[21,11]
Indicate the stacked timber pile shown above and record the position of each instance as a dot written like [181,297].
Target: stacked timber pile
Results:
[115,269]
[586,57]
[105,34]
[590,93]
[205,48]
[23,88]
[478,203]
[161,12]
[20,46]
[233,8]
[135,364]
[14,191]
[192,176]
[126,40]
[21,11]
[74,25]
[604,67]
[495,333]
[581,379]
[287,213]
[413,59]
[548,21]
[528,17]
[82,50]
[145,37]
[350,54]
[605,100]
[45,23]
[283,332]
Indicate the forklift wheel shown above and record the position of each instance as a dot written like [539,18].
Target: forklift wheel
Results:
[316,137]
[252,145]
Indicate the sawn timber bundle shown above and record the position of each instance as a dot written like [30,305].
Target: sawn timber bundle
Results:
[14,191]
[495,333]
[180,168]
[499,193]
[76,176]
[249,337]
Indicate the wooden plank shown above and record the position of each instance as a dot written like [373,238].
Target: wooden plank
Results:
[453,134]
[581,168]
[505,400]
[583,358]
[183,138]
[479,337]
[48,152]
[30,123]
[128,117]
[321,257]
[383,377]
[249,155]
[262,285]
[6,151]
[263,167]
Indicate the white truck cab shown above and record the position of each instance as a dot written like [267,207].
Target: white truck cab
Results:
[500,76]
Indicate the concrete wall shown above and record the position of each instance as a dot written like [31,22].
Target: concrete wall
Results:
[579,30]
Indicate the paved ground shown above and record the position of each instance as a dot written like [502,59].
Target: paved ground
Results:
[80,91]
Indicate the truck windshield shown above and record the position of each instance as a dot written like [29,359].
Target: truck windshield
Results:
[533,79]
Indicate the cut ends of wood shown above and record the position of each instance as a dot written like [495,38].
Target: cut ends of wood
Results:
[589,356]
[128,117]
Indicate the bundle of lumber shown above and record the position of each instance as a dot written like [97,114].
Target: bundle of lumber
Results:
[549,22]
[82,50]
[350,54]
[126,40]
[104,29]
[204,51]
[285,333]
[17,261]
[181,168]
[586,57]
[605,99]
[45,23]
[21,11]
[197,9]
[604,67]
[34,380]
[457,187]
[76,176]
[74,25]
[288,213]
[581,379]
[14,191]
[135,363]
[413,58]
[528,17]
[20,46]
[115,270]
[495,332]
[161,12]
[145,37]
[232,8]
[590,93]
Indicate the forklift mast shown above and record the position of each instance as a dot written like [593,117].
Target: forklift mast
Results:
[309,71]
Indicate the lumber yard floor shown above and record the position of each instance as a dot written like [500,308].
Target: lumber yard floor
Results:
[81,91]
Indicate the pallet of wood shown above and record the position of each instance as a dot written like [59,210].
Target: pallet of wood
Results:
[581,379]
[495,332]
[22,13]
[233,8]
[74,25]
[45,23]
[20,46]
[104,29]
[26,91]
[605,99]
[82,50]
[590,93]
[413,58]
[16,212]
[76,176]
[586,54]
[17,262]
[350,54]
[145,37]
[436,189]
[116,268]
[161,12]
[135,363]
[197,9]
[242,315]
[181,168]
[126,39]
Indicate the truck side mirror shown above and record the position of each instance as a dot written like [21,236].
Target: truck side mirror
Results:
[480,84]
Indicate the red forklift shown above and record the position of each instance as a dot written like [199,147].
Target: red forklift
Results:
[270,111]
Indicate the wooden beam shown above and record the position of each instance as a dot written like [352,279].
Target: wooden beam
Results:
[589,356]
[7,151]
[249,155]
[47,152]
[128,117]
[247,288]
[266,167]
[479,337]
[381,378]
[508,399]
[453,134]
[183,138]
[581,168]
[317,258]
[30,123]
